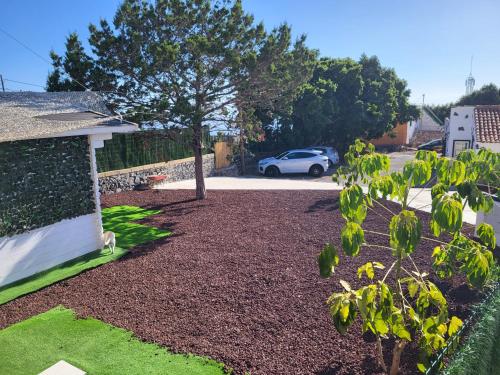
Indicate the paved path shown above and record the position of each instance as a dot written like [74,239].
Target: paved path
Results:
[419,199]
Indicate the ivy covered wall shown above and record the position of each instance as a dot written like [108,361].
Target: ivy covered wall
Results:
[43,181]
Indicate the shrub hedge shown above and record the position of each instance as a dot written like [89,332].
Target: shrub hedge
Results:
[43,181]
[480,353]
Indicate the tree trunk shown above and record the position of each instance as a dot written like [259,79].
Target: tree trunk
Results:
[396,356]
[201,192]
[380,352]
[242,152]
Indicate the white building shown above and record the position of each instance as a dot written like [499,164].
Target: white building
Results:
[472,127]
[49,197]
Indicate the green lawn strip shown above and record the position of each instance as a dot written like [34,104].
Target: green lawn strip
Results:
[118,220]
[62,271]
[37,343]
[128,235]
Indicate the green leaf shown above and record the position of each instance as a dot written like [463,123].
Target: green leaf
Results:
[352,237]
[352,204]
[477,266]
[450,171]
[454,325]
[413,288]
[447,213]
[368,269]
[400,331]
[421,367]
[405,231]
[380,187]
[439,189]
[328,259]
[430,157]
[486,234]
[418,172]
[380,325]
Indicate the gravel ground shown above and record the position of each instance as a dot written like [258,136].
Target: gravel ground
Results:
[237,282]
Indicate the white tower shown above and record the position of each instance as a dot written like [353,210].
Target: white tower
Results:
[470,81]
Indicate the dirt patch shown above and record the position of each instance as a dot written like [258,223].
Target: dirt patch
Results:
[237,281]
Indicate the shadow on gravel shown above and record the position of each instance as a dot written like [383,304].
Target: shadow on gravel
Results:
[330,370]
[328,204]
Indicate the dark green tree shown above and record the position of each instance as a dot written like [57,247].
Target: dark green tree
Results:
[345,100]
[76,71]
[183,63]
[486,95]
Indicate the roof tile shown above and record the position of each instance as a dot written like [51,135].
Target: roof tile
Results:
[487,120]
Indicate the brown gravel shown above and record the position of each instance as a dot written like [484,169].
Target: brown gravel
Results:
[237,281]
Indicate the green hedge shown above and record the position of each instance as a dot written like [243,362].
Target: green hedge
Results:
[44,181]
[146,147]
[480,353]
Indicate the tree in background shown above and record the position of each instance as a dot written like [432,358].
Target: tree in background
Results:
[185,63]
[76,71]
[273,89]
[486,95]
[344,100]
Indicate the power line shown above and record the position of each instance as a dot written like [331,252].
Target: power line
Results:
[38,55]
[23,83]
[25,46]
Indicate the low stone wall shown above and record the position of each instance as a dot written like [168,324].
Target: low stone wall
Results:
[175,170]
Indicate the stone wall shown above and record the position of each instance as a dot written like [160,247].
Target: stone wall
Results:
[175,170]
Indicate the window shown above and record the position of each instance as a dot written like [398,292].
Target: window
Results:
[300,155]
[459,146]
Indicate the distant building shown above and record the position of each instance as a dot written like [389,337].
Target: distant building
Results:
[472,127]
[398,136]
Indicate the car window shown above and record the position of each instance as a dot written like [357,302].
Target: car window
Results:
[300,155]
[279,156]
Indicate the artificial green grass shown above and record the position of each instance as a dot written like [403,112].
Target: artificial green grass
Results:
[117,219]
[37,343]
[480,354]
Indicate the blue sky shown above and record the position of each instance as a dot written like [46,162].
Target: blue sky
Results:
[428,42]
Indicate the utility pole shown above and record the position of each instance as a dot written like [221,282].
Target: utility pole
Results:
[1,80]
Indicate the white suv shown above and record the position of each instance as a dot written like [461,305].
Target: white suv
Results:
[295,161]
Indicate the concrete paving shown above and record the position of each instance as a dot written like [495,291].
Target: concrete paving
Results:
[62,368]
[418,198]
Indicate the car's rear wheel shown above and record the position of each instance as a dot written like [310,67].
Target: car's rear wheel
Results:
[316,170]
[272,171]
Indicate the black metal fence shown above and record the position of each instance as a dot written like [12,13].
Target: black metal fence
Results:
[147,147]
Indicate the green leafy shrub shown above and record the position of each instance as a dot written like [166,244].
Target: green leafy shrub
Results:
[411,308]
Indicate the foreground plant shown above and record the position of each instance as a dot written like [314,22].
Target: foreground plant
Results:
[399,301]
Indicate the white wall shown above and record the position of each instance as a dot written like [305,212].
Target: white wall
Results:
[427,123]
[493,218]
[410,130]
[37,250]
[495,147]
[460,117]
